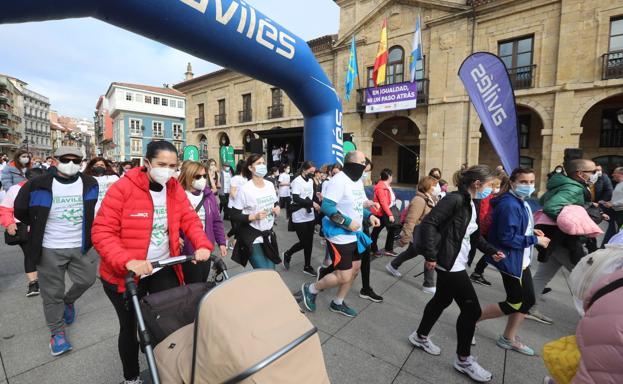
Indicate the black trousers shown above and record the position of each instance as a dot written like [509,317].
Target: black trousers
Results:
[519,293]
[224,200]
[128,342]
[389,242]
[29,264]
[453,286]
[481,265]
[305,233]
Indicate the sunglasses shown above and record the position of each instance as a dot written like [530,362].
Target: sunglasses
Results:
[66,161]
[199,177]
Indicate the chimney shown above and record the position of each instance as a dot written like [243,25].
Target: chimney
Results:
[189,72]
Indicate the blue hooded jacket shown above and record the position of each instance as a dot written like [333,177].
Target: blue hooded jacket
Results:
[507,233]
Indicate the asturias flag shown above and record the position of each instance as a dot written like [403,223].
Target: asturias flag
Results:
[416,53]
[380,64]
[353,70]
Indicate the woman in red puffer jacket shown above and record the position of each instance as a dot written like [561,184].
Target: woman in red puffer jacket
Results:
[139,222]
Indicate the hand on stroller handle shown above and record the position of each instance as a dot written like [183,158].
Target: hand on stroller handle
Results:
[218,262]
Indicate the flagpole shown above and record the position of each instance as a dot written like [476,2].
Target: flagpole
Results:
[357,60]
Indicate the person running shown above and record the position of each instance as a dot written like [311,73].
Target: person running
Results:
[59,210]
[139,222]
[512,231]
[236,183]
[384,195]
[15,171]
[421,205]
[303,216]
[195,181]
[448,233]
[257,206]
[564,250]
[284,187]
[12,225]
[105,176]
[343,206]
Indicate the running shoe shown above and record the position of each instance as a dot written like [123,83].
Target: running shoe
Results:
[69,315]
[33,289]
[135,381]
[309,271]
[309,299]
[548,380]
[473,340]
[516,346]
[471,368]
[369,294]
[546,290]
[424,344]
[59,344]
[393,271]
[342,309]
[535,315]
[391,253]
[429,290]
[479,279]
[286,260]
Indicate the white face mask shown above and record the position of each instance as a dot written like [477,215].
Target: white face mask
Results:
[24,160]
[593,178]
[200,184]
[69,169]
[161,175]
[599,173]
[436,190]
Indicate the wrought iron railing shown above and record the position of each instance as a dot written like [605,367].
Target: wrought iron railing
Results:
[522,77]
[612,65]
[245,115]
[220,119]
[275,111]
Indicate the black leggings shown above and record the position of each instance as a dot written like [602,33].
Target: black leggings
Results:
[454,286]
[305,233]
[29,264]
[235,225]
[128,342]
[481,265]
[389,241]
[519,293]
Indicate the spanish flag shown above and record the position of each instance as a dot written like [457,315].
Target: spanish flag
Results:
[380,64]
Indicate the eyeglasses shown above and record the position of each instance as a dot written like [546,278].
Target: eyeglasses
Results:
[594,171]
[199,177]
[66,161]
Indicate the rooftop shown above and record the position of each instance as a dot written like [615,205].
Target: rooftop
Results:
[149,88]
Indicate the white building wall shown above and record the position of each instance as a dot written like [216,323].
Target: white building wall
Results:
[118,101]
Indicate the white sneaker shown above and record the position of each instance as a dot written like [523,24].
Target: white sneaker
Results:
[473,340]
[393,271]
[430,290]
[424,344]
[471,368]
[137,381]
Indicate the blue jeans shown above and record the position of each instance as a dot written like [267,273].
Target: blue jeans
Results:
[258,260]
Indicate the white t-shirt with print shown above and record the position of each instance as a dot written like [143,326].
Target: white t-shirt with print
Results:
[284,191]
[236,182]
[159,241]
[461,261]
[527,253]
[305,189]
[253,199]
[349,197]
[64,226]
[104,182]
[194,201]
[226,176]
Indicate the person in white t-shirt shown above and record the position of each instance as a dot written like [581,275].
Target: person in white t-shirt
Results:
[237,181]
[284,187]
[102,171]
[343,203]
[303,216]
[257,206]
[223,191]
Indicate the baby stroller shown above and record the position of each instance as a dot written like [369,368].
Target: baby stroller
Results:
[248,328]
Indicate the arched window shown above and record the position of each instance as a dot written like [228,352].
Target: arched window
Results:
[396,65]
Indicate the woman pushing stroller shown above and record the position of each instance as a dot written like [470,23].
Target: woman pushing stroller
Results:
[139,222]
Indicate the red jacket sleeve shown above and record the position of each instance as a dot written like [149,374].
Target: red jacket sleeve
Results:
[106,232]
[6,216]
[190,222]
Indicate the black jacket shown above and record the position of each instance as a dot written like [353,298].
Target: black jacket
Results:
[443,230]
[244,243]
[603,189]
[32,207]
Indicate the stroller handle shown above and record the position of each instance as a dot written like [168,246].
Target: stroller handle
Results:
[172,261]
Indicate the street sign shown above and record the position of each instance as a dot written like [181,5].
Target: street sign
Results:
[191,152]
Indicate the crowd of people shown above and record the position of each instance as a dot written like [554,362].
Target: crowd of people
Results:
[71,216]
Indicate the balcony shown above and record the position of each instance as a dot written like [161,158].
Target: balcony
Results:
[220,119]
[522,77]
[245,115]
[275,111]
[4,98]
[4,113]
[4,127]
[422,95]
[612,67]
[3,83]
[200,122]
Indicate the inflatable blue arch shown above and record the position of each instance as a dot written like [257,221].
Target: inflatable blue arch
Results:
[229,33]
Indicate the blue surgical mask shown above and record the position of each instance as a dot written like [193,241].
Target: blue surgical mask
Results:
[484,193]
[524,191]
[261,170]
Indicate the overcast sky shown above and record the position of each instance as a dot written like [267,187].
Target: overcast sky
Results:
[74,61]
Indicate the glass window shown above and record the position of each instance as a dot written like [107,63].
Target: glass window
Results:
[517,52]
[135,127]
[524,130]
[139,98]
[526,162]
[221,107]
[370,77]
[395,65]
[611,134]
[128,96]
[246,102]
[177,131]
[137,146]
[180,104]
[157,129]
[165,102]
[147,99]
[156,100]
[616,34]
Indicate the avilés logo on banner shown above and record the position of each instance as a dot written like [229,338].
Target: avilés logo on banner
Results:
[489,88]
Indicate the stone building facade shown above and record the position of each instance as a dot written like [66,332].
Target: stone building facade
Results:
[565,58]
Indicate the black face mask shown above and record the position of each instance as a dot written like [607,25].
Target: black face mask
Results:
[99,171]
[305,176]
[354,171]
